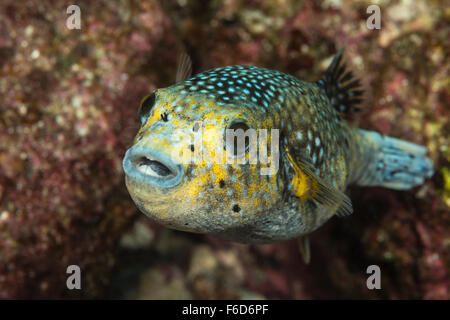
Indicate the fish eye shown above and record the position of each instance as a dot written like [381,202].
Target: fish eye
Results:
[145,107]
[231,141]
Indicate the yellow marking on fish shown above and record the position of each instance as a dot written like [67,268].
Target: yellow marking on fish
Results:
[300,181]
[219,173]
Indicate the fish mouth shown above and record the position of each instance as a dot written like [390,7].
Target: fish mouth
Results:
[151,167]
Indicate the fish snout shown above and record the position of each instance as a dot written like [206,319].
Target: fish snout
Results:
[153,167]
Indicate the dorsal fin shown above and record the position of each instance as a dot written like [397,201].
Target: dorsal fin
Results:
[341,87]
[184,69]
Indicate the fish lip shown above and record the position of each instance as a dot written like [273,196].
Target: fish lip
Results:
[142,179]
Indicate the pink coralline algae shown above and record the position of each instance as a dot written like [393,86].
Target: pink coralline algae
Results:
[69,111]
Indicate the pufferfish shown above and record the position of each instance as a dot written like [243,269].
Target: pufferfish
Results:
[317,153]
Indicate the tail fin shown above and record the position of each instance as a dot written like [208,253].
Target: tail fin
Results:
[341,87]
[394,163]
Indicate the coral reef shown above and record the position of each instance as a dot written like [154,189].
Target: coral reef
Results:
[69,111]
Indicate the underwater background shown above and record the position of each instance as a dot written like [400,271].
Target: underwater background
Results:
[68,112]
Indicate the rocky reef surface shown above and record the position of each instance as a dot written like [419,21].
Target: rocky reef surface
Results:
[68,109]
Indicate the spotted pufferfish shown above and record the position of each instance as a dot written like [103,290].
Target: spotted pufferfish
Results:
[319,154]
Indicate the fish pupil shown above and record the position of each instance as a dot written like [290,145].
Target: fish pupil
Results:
[238,126]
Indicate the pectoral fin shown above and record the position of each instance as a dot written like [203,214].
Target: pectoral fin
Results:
[307,185]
